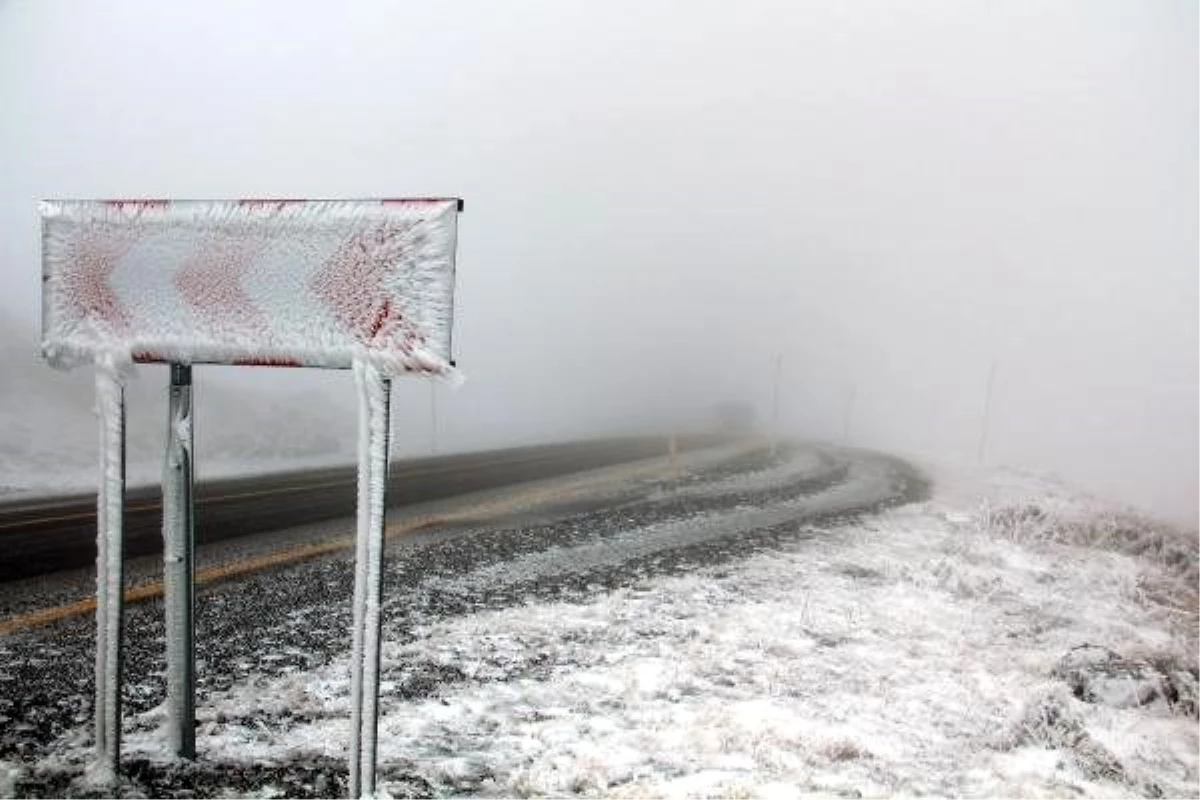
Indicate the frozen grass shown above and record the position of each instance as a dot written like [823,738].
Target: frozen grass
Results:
[911,654]
[1116,530]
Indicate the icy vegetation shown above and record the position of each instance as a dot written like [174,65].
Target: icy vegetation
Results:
[916,654]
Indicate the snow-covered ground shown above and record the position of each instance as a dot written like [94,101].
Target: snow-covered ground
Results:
[932,649]
[913,653]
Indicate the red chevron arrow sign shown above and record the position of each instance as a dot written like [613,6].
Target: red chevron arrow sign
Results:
[317,283]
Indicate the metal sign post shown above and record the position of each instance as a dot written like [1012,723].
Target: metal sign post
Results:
[374,422]
[110,396]
[366,285]
[179,545]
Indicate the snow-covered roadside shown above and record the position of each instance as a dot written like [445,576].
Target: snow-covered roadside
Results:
[911,653]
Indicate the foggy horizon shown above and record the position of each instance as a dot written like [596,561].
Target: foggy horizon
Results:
[660,201]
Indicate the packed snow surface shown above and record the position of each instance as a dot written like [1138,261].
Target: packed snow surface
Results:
[780,475]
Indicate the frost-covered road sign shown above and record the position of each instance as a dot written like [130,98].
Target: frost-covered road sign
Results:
[362,284]
[277,282]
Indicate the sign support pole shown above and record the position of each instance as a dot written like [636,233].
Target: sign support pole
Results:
[110,397]
[374,430]
[179,546]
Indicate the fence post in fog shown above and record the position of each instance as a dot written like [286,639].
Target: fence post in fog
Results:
[986,422]
[775,404]
[848,412]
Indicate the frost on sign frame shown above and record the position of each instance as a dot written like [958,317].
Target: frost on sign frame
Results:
[362,284]
[309,283]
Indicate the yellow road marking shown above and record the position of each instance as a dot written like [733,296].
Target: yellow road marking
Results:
[208,575]
[75,515]
[520,500]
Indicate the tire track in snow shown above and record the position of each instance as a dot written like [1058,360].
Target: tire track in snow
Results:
[859,483]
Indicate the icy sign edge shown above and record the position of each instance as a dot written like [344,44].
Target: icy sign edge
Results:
[312,283]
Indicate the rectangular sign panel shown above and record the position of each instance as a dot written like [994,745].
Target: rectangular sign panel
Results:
[315,283]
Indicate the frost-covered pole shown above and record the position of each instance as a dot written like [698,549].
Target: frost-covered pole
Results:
[110,397]
[179,547]
[374,394]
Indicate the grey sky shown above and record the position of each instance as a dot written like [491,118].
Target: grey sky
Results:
[661,196]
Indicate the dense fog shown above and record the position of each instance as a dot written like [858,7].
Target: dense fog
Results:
[892,201]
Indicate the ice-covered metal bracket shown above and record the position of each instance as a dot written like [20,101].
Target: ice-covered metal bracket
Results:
[340,284]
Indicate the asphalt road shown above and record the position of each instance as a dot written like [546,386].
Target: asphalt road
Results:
[49,534]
